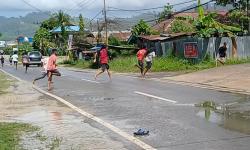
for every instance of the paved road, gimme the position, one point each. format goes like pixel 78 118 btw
pixel 163 108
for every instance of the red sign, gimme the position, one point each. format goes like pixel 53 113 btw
pixel 191 50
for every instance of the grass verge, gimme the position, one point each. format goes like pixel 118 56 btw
pixel 160 64
pixel 10 134
pixel 5 84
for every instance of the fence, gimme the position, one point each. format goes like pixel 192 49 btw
pixel 205 46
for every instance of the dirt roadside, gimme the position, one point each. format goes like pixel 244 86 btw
pixel 60 127
pixel 233 78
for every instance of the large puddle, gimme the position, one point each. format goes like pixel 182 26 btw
pixel 234 116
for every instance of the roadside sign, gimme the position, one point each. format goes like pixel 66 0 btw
pixel 191 50
pixel 70 42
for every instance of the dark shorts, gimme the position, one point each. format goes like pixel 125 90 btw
pixel 52 72
pixel 141 64
pixel 149 65
pixel 104 67
pixel 15 62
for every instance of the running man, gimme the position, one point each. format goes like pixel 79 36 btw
pixel 103 55
pixel 149 61
pixel 52 67
pixel 222 54
pixel 45 69
pixel 2 59
pixel 15 59
pixel 140 57
pixel 25 60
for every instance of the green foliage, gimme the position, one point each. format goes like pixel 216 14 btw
pixel 49 24
pixel 0 34
pixel 182 26
pixel 200 10
pixel 25 47
pixel 114 41
pixel 10 134
pixel 239 18
pixel 142 28
pixel 166 13
pixel 207 26
pixel 62 20
pixel 242 4
pixel 160 64
pixel 42 40
pixel 81 23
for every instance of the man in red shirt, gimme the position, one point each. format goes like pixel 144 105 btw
pixel 103 56
pixel 52 70
pixel 141 54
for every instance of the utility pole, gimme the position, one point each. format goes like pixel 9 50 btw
pixel 248 16
pixel 106 23
pixel 98 32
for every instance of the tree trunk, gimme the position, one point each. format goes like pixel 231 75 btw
pixel 234 47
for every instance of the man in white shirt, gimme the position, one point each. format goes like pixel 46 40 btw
pixel 149 60
pixel 15 59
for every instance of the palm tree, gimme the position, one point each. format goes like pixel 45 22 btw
pixel 62 20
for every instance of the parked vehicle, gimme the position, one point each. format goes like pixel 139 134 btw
pixel 35 58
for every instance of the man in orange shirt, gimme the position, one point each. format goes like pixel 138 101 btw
pixel 141 54
pixel 52 70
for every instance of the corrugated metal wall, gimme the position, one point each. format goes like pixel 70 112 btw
pixel 206 45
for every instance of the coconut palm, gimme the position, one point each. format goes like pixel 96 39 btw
pixel 62 20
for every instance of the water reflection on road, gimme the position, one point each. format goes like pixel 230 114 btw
pixel 232 117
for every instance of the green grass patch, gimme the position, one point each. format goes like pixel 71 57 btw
pixel 4 83
pixel 160 64
pixel 10 134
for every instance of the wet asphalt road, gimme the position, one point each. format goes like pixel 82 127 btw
pixel 172 126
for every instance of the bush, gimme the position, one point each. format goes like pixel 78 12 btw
pixel 160 64
pixel 114 41
pixel 68 62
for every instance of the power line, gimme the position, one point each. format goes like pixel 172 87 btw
pixel 36 8
pixel 78 5
pixel 96 15
pixel 184 10
pixel 160 7
pixel 32 6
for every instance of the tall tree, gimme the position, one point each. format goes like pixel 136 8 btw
pixel 50 23
pixel 62 20
pixel 142 28
pixel 41 37
pixel 81 23
pixel 166 13
pixel 240 4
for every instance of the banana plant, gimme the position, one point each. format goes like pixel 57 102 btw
pixel 207 26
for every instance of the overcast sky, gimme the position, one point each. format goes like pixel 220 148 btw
pixel 88 8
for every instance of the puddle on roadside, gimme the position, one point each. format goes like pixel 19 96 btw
pixel 235 117
pixel 72 131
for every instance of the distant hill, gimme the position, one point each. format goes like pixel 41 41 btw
pixel 27 25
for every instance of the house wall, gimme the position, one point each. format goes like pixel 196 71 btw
pixel 206 46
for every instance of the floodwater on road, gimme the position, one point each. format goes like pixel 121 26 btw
pixel 234 116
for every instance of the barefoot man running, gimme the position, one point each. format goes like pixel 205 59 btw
pixel 52 68
pixel 104 58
